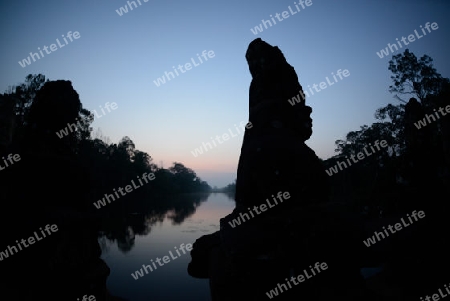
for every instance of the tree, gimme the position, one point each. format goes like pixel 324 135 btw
pixel 418 78
pixel 143 162
pixel 414 76
pixel 126 148
pixel 85 118
pixel 98 134
pixel 356 141
pixel 41 108
pixel 392 125
pixel 24 95
pixel 186 180
pixel 230 189
pixel 414 155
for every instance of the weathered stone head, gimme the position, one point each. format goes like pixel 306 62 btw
pixel 274 82
pixel 56 104
pixel 261 57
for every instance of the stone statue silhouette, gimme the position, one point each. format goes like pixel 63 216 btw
pixel 262 249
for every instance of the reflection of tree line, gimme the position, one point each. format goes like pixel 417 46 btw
pixel 123 229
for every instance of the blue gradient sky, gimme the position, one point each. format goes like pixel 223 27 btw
pixel 117 58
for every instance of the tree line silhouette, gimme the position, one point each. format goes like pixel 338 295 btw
pixel 416 162
pixel 82 168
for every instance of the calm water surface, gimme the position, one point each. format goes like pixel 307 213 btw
pixel 136 242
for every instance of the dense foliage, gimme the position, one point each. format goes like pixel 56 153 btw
pixel 34 111
pixel 417 157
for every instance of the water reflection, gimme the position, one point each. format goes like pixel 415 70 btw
pixel 123 229
pixel 130 241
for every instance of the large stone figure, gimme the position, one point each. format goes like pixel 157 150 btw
pixel 297 229
pixel 274 156
pixel 49 185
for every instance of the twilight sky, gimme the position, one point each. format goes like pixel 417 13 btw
pixel 118 57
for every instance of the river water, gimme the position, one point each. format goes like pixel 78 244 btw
pixel 157 231
pixel 130 243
